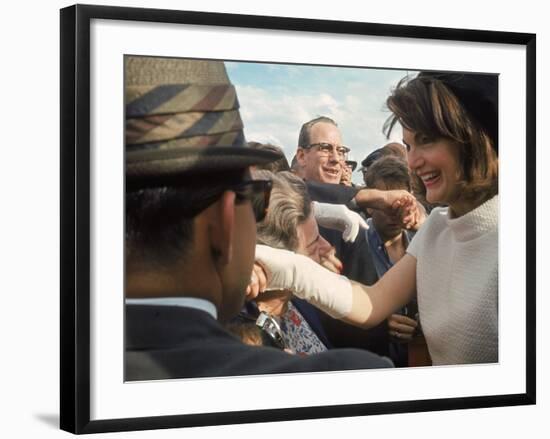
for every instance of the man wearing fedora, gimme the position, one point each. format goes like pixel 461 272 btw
pixel 190 228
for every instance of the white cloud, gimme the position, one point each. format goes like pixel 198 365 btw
pixel 231 66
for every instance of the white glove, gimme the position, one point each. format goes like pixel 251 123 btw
pixel 339 217
pixel 308 280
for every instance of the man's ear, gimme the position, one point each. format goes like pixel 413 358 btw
pixel 369 211
pixel 301 156
pixel 222 228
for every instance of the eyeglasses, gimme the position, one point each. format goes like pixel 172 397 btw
pixel 257 192
pixel 325 149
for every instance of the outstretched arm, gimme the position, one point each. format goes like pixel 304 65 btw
pixel 336 295
pixel 371 305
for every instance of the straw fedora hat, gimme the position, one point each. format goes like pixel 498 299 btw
pixel 182 121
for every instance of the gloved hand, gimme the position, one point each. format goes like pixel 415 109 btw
pixel 308 280
pixel 339 217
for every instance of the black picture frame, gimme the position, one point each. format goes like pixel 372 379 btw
pixel 76 211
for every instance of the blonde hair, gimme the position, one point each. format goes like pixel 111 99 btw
pixel 289 206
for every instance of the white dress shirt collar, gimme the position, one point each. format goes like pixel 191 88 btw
pixel 187 302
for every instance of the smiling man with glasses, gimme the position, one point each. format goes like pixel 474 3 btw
pixel 320 152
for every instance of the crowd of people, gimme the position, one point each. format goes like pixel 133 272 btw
pixel 240 263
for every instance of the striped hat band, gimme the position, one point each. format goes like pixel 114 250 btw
pixel 147 100
pixel 164 127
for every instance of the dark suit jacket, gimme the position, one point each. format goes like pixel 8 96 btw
pixel 164 342
pixel 330 193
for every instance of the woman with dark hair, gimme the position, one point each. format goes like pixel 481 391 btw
pixel 456 113
pixel 450 130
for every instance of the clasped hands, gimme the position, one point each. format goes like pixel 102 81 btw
pixel 405 208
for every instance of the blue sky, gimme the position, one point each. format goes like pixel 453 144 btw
pixel 276 99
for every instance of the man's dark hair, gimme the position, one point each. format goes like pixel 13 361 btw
pixel 304 139
pixel 392 149
pixel 371 158
pixel 159 221
pixel 391 171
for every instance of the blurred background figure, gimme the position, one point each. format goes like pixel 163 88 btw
pixel 347 173
pixel 278 165
pixel 393 149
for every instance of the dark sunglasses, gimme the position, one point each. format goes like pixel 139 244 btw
pixel 257 192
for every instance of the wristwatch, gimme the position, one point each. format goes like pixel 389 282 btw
pixel 271 327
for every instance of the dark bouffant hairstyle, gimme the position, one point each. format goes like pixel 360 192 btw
pixel 426 106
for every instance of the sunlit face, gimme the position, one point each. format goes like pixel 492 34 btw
pixel 236 274
pixel 316 166
pixel 436 162
pixel 310 242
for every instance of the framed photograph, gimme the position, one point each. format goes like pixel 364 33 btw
pixel 282 72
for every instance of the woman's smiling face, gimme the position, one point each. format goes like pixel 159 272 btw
pixel 437 163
